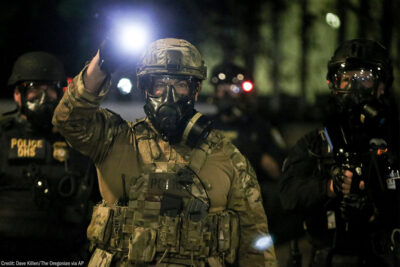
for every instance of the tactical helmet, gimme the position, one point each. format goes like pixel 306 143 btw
pixel 37 66
pixel 228 72
pixel 172 56
pixel 361 53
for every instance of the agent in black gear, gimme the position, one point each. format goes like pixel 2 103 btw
pixel 45 185
pixel 343 177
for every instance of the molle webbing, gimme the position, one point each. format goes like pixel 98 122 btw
pixel 168 218
pixel 215 236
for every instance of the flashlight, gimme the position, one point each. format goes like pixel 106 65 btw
pixel 131 36
pixel 123 43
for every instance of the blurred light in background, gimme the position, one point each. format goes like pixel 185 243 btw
pixel 124 86
pixel 332 20
pixel 235 88
pixel 247 86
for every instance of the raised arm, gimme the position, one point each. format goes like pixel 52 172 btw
pixel 78 117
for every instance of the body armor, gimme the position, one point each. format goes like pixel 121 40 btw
pixel 45 189
pixel 167 217
pixel 353 230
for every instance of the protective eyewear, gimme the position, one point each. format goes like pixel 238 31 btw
pixel 351 81
pixel 160 85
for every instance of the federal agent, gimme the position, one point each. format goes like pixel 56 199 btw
pixel 343 178
pixel 175 192
pixel 45 185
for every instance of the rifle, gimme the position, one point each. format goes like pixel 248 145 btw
pixel 380 174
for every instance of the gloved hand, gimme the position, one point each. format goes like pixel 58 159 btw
pixel 341 180
pixel 110 56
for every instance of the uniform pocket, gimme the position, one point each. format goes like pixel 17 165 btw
pixel 142 245
pixel 168 234
pixel 99 229
pixel 195 238
pixel 228 235
pixel 100 258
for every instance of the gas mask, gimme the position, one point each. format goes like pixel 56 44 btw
pixel 170 107
pixel 39 109
pixel 355 97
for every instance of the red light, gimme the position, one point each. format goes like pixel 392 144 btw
pixel 381 151
pixel 69 80
pixel 247 86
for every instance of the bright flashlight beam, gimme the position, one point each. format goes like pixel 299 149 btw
pixel 132 37
pixel 124 86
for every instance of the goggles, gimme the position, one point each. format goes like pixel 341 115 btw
pixel 160 84
pixel 39 86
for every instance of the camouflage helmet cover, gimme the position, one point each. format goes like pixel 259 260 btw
pixel 37 66
pixel 172 56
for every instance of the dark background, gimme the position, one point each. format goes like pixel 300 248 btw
pixel 284 44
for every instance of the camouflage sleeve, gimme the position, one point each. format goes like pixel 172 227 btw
pixel 88 128
pixel 245 199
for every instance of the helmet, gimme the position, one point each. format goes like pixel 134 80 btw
pixel 355 74
pixel 361 53
pixel 172 56
pixel 229 73
pixel 37 66
pixel 173 113
pixel 233 90
pixel 33 70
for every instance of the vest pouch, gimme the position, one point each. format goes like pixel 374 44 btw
pixel 99 229
pixel 100 258
pixel 195 238
pixel 142 245
pixel 168 234
pixel 228 235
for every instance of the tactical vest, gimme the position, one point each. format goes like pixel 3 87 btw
pixel 45 188
pixel 345 233
pixel 167 218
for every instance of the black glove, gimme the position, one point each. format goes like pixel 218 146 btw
pixel 110 56
pixel 337 174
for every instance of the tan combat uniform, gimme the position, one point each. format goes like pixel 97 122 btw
pixel 123 151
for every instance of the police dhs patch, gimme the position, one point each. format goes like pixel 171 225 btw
pixel 22 148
